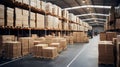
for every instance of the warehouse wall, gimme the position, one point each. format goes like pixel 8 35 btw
pixel 98 28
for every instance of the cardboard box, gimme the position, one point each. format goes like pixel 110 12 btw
pixel 25 18
pixel 57 45
pixel 33 3
pixel 10 16
pixel 19 17
pixel 43 5
pixel 49 7
pixel 103 36
pixel 38 50
pixel 40 21
pixel 55 10
pixel 106 52
pixel 59 12
pixel 2 15
pixel 111 35
pixel 12 49
pixel 32 20
pixel 25 2
pixel 49 22
pixel 50 52
pixel 117 23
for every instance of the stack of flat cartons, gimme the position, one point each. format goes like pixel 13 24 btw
pixel 55 23
pixel 65 26
pixel 65 14
pixel 2 15
pixel 50 52
pixel 25 18
pixel 40 40
pixel 57 45
pixel 12 49
pixel 102 36
pixel 43 5
pixel 111 35
pixel 48 39
pixel 38 50
pixel 30 44
pixel 32 20
pixel 49 7
pixel 118 23
pixel 55 10
pixel 118 50
pixel 40 21
pixel 34 36
pixel 24 46
pixel 106 52
pixel 19 17
pixel 10 16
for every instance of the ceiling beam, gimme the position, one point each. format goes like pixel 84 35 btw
pixel 88 6
pixel 93 19
pixel 97 14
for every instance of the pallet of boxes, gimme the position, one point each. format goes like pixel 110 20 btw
pixel 106 48
pixel 48 47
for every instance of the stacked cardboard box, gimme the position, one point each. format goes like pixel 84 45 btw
pixel 55 10
pixel 111 35
pixel 57 45
pixel 72 17
pixel 59 24
pixel 33 3
pixel 50 52
pixel 38 4
pixel 118 50
pixel 19 17
pixel 43 5
pixel 24 46
pixel 65 26
pixel 38 50
pixel 106 52
pixel 32 20
pixel 118 23
pixel 63 44
pixel 40 21
pixel 59 12
pixel 12 49
pixel 10 16
pixel 55 23
pixel 2 22
pixel 34 36
pixel 65 14
pixel 103 36
pixel 49 7
pixel 25 1
pixel 25 18
pixel 49 22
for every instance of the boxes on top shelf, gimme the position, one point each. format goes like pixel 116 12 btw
pixel 2 15
pixel 10 16
pixel 25 1
pixel 19 17
pixel 43 5
pixel 55 9
pixel 59 12
pixel 65 14
pixel 38 4
pixel 49 7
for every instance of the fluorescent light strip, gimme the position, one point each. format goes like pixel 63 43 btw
pixel 93 19
pixel 97 14
pixel 88 6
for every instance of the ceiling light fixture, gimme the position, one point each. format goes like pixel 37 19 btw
pixel 83 1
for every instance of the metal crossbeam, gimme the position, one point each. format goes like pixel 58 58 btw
pixel 93 19
pixel 88 6
pixel 97 14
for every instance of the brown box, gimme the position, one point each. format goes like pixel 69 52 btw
pixel 12 49
pixel 10 16
pixel 50 52
pixel 32 20
pixel 24 46
pixel 2 22
pixel 49 22
pixel 57 45
pixel 117 23
pixel 25 18
pixel 59 12
pixel 19 17
pixel 103 36
pixel 111 35
pixel 49 7
pixel 106 52
pixel 55 10
pixel 40 21
pixel 38 50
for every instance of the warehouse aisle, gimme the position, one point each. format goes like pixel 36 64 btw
pixel 89 57
pixel 86 55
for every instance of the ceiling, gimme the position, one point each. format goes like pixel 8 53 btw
pixel 80 11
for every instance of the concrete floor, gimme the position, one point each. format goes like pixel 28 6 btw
pixel 77 55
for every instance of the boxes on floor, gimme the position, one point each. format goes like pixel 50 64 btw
pixel 12 49
pixel 38 50
pixel 2 15
pixel 103 36
pixel 106 52
pixel 50 52
pixel 57 45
